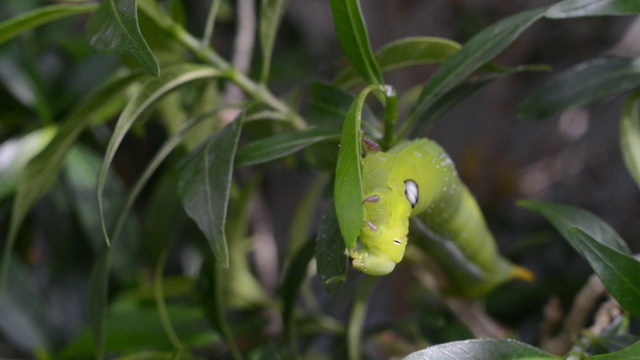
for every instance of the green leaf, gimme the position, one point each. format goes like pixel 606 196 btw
pixel 578 8
pixel 114 28
pixel 43 169
pixel 630 353
pixel 474 54
pixel 271 12
pixel 630 136
pixel 562 217
pixel 98 300
pixel 619 272
pixel 591 80
pixel 357 317
pixel 21 23
pixel 290 288
pixel 204 185
pixel 279 146
pixel 151 92
pixel 16 153
pixel 484 349
pixel 330 253
pixel 403 53
pixel 354 39
pixel 348 191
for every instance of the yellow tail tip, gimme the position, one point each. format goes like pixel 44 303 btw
pixel 518 272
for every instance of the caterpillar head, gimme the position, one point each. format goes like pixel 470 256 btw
pixel 383 237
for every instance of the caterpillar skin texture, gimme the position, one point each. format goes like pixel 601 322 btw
pixel 417 178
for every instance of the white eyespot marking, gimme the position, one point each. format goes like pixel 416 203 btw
pixel 411 192
pixel 397 242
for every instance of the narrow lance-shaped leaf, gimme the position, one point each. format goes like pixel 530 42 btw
pixel 152 91
pixel 114 28
pixel 24 22
pixel 349 191
pixel 354 39
pixel 278 146
pixel 591 80
pixel 204 186
pixel 619 272
pixel 630 136
pixel 43 169
pixel 475 53
pixel 578 8
pixel 484 349
pixel 562 217
pixel 405 53
pixel 271 12
pixel 330 255
pixel 629 353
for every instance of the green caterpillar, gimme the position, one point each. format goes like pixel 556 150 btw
pixel 417 178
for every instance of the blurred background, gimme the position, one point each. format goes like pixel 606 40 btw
pixel 573 159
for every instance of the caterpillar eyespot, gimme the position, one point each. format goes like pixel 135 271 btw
pixel 418 179
pixel 411 192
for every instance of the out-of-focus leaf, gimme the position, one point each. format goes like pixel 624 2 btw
pixel 16 153
pixel 578 8
pixel 132 327
pixel 475 53
pixel 17 80
pixel 42 15
pixel 98 301
pixel 630 136
pixel 562 217
pixel 348 190
pixel 290 287
pixel 114 29
pixel 22 318
pixel 485 349
pixel 80 173
pixel 630 353
pixel 151 92
pixel 357 317
pixel 204 185
pixel 619 272
pixel 354 39
pixel 330 253
pixel 403 53
pixel 591 80
pixel 43 169
pixel 278 146
pixel 271 12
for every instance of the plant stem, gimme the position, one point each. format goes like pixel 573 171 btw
pixel 358 315
pixel 162 306
pixel 211 19
pixel 208 55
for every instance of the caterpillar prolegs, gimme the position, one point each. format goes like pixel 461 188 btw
pixel 418 179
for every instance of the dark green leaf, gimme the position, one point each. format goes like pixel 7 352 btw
pixel 562 217
pixel 98 300
pixel 330 253
pixel 591 80
pixel 151 92
pixel 405 53
pixel 114 29
pixel 19 24
pixel 630 136
pixel 475 53
pixel 348 191
pixel 279 146
pixel 290 287
pixel 204 186
pixel 354 39
pixel 619 272
pixel 577 8
pixel 485 349
pixel 44 168
pixel 271 12
pixel 630 353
